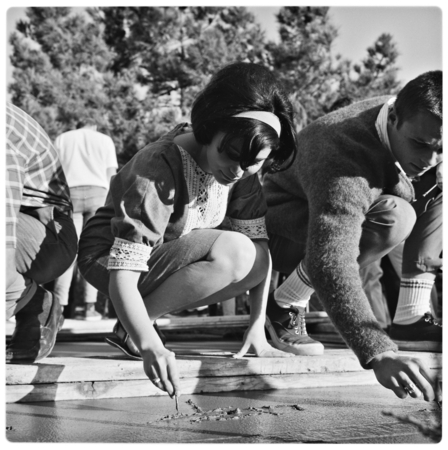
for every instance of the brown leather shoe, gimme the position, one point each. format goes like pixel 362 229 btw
pixel 32 340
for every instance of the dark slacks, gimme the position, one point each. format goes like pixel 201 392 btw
pixel 389 221
pixel 42 254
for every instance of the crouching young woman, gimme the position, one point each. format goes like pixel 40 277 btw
pixel 158 244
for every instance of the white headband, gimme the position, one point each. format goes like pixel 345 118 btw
pixel 263 116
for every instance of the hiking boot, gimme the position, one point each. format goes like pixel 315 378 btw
pixel 34 337
pixel 287 329
pixel 425 335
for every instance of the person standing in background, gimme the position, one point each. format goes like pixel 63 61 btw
pixel 89 161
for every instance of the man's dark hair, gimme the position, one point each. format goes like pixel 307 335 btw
pixel 237 88
pixel 423 93
pixel 85 122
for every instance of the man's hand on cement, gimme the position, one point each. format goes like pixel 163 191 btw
pixel 396 372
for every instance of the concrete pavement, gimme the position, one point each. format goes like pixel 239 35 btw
pixel 348 414
pixel 254 400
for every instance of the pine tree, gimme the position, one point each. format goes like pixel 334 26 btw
pixel 58 59
pixel 61 76
pixel 319 82
pixel 302 58
pixel 176 50
pixel 136 70
pixel 378 71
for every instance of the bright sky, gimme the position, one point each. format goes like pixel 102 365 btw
pixel 417 29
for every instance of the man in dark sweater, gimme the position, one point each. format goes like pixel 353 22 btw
pixel 366 178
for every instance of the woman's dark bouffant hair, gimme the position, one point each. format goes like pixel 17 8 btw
pixel 238 88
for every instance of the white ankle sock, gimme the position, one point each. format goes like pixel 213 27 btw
pixel 296 289
pixel 414 300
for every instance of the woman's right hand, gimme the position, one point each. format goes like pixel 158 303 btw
pixel 159 363
pixel 161 368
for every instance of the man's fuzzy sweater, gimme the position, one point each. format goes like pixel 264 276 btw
pixel 341 168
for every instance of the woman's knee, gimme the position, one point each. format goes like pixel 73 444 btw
pixel 235 254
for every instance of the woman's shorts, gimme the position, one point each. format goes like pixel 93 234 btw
pixel 164 261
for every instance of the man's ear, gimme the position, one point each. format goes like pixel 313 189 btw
pixel 392 116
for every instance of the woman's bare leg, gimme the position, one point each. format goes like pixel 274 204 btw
pixel 233 266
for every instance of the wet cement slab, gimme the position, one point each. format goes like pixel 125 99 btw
pixel 350 414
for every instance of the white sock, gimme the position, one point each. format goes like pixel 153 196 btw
pixel 296 289
pixel 414 300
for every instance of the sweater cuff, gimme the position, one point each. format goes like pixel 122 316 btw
pixel 376 342
pixel 253 228
pixel 128 255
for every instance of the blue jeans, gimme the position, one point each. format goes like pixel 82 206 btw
pixel 86 200
pixel 42 254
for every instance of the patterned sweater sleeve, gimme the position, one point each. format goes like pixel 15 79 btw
pixel 143 197
pixel 338 204
pixel 247 208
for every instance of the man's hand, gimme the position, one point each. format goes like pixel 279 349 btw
pixel 397 372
